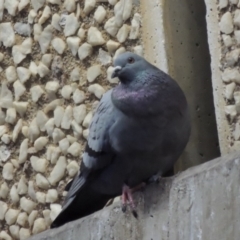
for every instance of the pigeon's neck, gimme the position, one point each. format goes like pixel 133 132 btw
pixel 141 98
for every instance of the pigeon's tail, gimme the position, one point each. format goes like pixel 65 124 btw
pixel 86 202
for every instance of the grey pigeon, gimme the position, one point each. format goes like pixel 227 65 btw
pixel 139 129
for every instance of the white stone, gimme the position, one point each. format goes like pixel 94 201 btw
pixel 79 113
pixel 55 21
pixel 75 149
pixel 17 129
pixel 19 89
pixel 46 214
pixel 27 205
pixel 45 38
pixel 8 171
pixel 72 168
pixel 78 96
pixel 5 236
pixel 118 52
pixel 21 107
pixel 47 59
pixel 78 11
pixel 22 4
pixel 231 75
pixel 3 130
pixel 42 70
pixel 58 171
pixel 85 133
pixel 37 31
pixel 138 50
pixel 2 120
pixel 11 216
pixel 6 97
pixel 6 138
pixel 45 15
pixel 109 75
pixel 7 36
pixel 70 5
pixel 226 23
pixel 64 145
pixel 95 37
pixel 103 57
pixel 75 74
pixel 3 209
pixel 123 33
pixel 231 111
pixel 51 196
pixel 113 2
pixel 14 231
pixel 77 129
pixel 11 74
pixel 122 11
pixel 41 197
pixel 41 119
pixel 232 57
pixel 4 190
pixel 31 16
pixel 73 44
pixel 37 4
pixel 58 2
pixel 23 74
pixel 223 3
pixel 57 135
pixel 59 45
pixel 31 191
pixel 32 216
pixel 11 115
pixel 230 90
pixel 93 72
pixel 67 118
pixel 42 182
pixel 1 9
pixel 33 131
pixel 58 115
pixel 89 6
pixel 39 164
pixel 51 88
pixel 52 105
pixel 81 33
pixel 71 139
pixel 111 26
pixel 33 69
pixel 100 14
pixel 97 90
pixel 36 92
pixel 39 226
pixel 66 91
pixel 19 52
pixel 53 154
pixel 24 233
pixel 55 210
pixel 15 163
pixel 25 131
pixel 40 143
pixel 22 219
pixel 135 26
pixel 22 186
pixel 14 195
pixel 87 119
pixel 23 151
pixel 84 51
pixel 23 29
pixel 71 25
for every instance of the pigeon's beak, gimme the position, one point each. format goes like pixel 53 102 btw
pixel 116 71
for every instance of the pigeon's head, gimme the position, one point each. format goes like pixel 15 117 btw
pixel 127 65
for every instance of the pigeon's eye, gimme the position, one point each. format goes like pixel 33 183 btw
pixel 131 60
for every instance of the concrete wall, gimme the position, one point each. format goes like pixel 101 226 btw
pixel 177 43
pixel 199 204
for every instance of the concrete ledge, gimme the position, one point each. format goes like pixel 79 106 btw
pixel 200 203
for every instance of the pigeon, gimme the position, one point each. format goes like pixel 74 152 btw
pixel 139 129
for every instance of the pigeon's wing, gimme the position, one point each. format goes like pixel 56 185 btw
pixel 98 152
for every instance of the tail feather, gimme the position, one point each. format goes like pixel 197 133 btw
pixel 86 202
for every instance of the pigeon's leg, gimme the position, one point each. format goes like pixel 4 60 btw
pixel 138 187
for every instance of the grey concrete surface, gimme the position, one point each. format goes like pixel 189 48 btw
pixel 175 39
pixel 201 203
